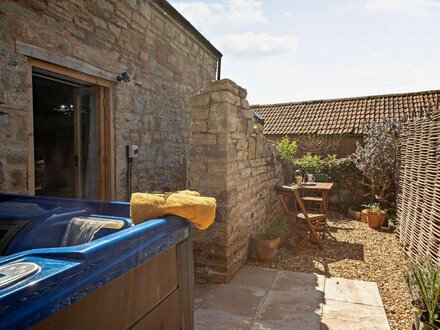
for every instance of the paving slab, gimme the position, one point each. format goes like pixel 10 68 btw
pixel 295 301
pixel 256 277
pixel 262 325
pixel 294 281
pixel 236 299
pixel 359 292
pixel 262 298
pixel 344 315
pixel 202 292
pixel 218 319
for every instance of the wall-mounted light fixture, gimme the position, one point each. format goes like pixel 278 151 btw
pixel 258 122
pixel 13 62
pixel 123 77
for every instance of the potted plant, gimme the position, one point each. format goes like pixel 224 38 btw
pixel 266 244
pixel 424 286
pixel 375 215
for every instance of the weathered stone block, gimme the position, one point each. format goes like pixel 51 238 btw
pixel 106 5
pixel 203 139
pixel 242 92
pixel 198 126
pixel 199 113
pixel 221 85
pixel 200 100
pixel 244 104
pixel 225 97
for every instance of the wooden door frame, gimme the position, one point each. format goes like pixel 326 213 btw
pixel 107 180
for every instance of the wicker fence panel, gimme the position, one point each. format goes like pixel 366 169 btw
pixel 418 209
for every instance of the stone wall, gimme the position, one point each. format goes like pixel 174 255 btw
pixel 238 167
pixel 167 64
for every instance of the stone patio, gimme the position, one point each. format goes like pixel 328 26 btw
pixel 263 298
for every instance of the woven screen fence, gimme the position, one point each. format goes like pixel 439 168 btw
pixel 418 208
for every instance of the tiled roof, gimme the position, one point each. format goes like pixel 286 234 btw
pixel 341 116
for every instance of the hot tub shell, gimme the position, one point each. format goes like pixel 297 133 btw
pixel 138 277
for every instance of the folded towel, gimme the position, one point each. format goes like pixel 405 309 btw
pixel 186 204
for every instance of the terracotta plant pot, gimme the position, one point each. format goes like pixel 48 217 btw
pixel 375 219
pixel 265 248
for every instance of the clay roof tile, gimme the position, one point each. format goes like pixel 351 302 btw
pixel 347 115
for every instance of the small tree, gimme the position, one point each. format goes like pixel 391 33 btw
pixel 287 150
pixel 378 160
pixel 320 144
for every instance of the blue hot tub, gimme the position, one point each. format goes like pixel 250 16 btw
pixel 123 276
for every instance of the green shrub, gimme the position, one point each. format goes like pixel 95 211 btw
pixel 342 171
pixel 378 159
pixel 287 150
pixel 344 174
pixel 311 164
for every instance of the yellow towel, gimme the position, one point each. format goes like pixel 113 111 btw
pixel 186 204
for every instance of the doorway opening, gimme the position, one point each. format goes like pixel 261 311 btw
pixel 70 145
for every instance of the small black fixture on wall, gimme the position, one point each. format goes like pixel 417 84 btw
pixel 123 77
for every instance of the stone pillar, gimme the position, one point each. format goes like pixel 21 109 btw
pixel 238 167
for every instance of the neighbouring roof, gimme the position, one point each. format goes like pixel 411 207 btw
pixel 343 116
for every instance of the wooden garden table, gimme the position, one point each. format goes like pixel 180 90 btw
pixel 323 187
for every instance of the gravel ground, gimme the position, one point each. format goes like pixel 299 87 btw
pixel 354 251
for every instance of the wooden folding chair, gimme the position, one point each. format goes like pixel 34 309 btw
pixel 312 221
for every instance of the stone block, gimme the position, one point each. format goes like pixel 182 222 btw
pixel 217 169
pixel 199 113
pixel 116 31
pixel 216 153
pixel 231 151
pixel 225 97
pixel 198 126
pixel 218 125
pixel 244 104
pixel 13 80
pixel 100 22
pixel 223 84
pixel 242 92
pixel 203 139
pixel 252 148
pixel 223 138
pixel 200 100
pixel 106 5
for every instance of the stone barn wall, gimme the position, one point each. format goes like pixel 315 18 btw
pixel 238 167
pixel 166 59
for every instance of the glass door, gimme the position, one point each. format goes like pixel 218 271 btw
pixel 87 149
pixel 72 137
